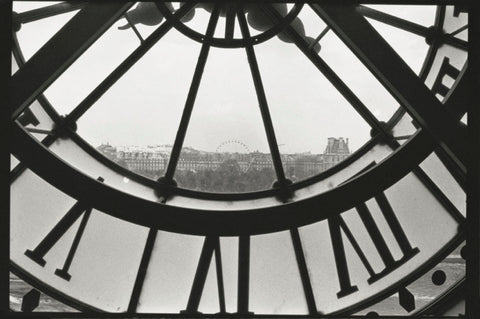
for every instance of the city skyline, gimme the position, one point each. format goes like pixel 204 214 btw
pixel 166 148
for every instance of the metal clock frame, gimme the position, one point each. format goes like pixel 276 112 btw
pixel 227 223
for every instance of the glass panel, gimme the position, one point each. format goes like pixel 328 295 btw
pixel 357 77
pixel 404 129
pixel 226 148
pixel 23 6
pixel 143 138
pixel 425 222
pixel 310 113
pixel 445 181
pixel 200 18
pixel 105 264
pixel 423 15
pixel 376 154
pixel 452 23
pixel 13 162
pixel 90 68
pixel 170 273
pixel 78 158
pixel 33 35
pixel 275 284
pixel 411 47
pixel 75 156
pixel 209 302
pixel 312 25
pixel 14 65
pixel 229 247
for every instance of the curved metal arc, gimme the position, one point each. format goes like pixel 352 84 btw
pixel 219 196
pixel 230 43
pixel 227 223
pixel 223 223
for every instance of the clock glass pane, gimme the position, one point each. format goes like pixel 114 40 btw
pixel 239 140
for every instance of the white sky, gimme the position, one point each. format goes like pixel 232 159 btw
pixel 144 107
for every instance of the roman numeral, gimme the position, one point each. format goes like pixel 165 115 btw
pixel 445 69
pixel 210 246
pixel 38 254
pixel 302 267
pixel 243 275
pixel 336 224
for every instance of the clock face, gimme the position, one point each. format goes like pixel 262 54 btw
pixel 245 203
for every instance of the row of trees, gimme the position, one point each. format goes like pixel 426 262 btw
pixel 227 178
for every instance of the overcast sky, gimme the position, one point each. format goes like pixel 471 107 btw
pixel 145 106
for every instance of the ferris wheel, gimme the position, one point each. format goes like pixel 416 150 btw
pixel 222 147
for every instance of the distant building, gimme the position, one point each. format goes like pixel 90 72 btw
pixel 336 151
pixel 155 158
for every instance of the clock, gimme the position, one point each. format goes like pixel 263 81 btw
pixel 380 233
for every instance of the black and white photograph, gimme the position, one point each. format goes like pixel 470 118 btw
pixel 240 159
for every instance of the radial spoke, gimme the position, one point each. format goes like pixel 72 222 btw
pixel 113 77
pixel 134 28
pixel 465 27
pixel 262 100
pixel 60 52
pixel 192 94
pixel 47 11
pixel 230 23
pixel 336 81
pixel 455 42
pixel 142 270
pixel 396 76
pixel 393 21
pixel 303 269
pixel 411 26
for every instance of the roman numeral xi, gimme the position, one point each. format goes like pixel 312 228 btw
pixel 38 254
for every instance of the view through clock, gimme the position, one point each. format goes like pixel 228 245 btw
pixel 238 158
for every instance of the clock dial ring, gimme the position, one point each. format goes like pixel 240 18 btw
pixel 234 196
pixel 217 222
pixel 382 292
pixel 146 220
